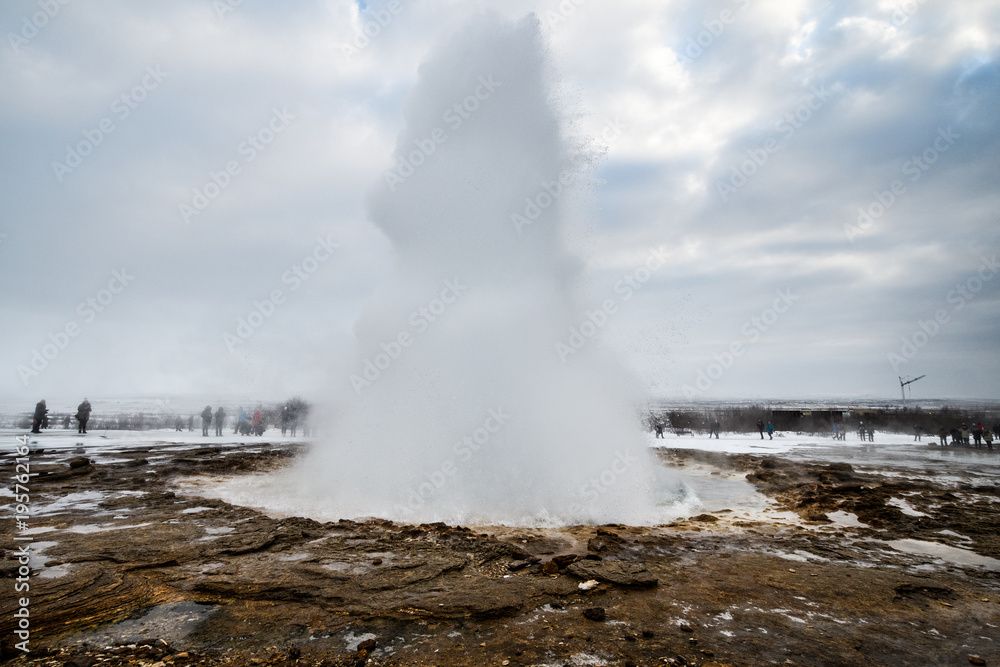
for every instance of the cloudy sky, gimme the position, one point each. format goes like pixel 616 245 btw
pixel 821 178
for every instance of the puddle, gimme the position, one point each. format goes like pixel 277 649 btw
pixel 170 622
pixel 944 552
pixel 87 529
pixel 846 519
pixel 82 500
pixel 904 507
pixel 36 554
pixel 294 557
pixel 55 571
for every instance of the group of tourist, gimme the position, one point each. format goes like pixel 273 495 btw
pixel 291 417
pixel 40 418
pixel 963 436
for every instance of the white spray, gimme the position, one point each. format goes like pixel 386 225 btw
pixel 459 408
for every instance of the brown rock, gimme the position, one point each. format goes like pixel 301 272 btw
pixel 976 660
pixel 594 614
pixel 630 575
pixel 367 645
pixel 705 518
pixel 79 462
pixel 564 560
pixel 550 568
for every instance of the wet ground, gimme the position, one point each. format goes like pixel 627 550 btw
pixel 848 555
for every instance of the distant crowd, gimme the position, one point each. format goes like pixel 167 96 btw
pixel 290 417
pixel 976 436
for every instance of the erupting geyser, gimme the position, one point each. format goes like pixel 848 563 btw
pixel 459 407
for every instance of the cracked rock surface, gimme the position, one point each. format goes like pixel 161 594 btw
pixel 129 572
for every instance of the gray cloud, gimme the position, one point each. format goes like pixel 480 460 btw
pixel 891 86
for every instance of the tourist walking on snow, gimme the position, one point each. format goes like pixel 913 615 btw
pixel 770 431
pixel 240 419
pixel 988 439
pixel 220 420
pixel 917 432
pixel 760 427
pixel 715 429
pixel 206 419
pixel 39 417
pixel 83 415
pixel 943 436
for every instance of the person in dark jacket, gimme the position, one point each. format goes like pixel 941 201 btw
pixel 286 418
pixel 39 417
pixel 760 427
pixel 715 429
pixel 220 420
pixel 206 419
pixel 83 415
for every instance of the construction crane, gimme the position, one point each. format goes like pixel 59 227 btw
pixel 904 382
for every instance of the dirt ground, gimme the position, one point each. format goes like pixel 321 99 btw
pixel 132 573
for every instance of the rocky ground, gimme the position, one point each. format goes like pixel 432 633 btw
pixel 130 572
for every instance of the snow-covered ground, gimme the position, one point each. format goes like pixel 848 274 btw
pixel 713 488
